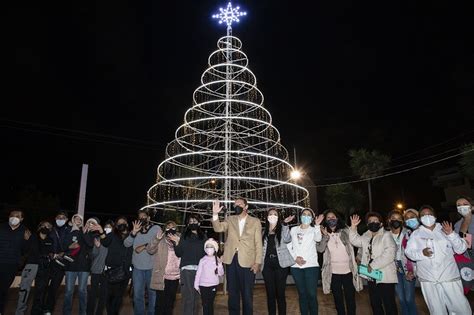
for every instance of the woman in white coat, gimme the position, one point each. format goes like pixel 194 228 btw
pixel 433 246
pixel 378 253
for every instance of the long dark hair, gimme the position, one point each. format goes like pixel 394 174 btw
pixel 341 224
pixel 277 226
pixel 188 232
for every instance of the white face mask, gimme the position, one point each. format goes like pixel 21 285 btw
pixel 13 221
pixel 108 230
pixel 464 210
pixel 272 219
pixel 60 223
pixel 428 220
pixel 210 251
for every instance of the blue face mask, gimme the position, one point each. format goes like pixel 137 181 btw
pixel 412 223
pixel 306 219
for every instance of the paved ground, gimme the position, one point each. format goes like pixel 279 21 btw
pixel 326 303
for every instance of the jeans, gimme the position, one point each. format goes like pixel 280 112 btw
pixel 240 282
pixel 382 298
pixel 97 294
pixel 275 285
pixel 27 276
pixel 141 282
pixel 71 277
pixel 306 280
pixel 189 295
pixel 406 294
pixel 343 289
pixel 165 298
pixel 208 294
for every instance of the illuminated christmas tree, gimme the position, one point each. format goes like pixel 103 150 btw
pixel 227 146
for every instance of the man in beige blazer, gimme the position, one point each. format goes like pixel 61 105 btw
pixel 242 253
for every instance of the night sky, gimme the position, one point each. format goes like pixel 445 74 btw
pixel 397 76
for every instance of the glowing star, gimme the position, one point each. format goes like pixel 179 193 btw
pixel 229 15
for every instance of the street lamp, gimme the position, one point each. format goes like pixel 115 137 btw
pixel 399 206
pixel 296 174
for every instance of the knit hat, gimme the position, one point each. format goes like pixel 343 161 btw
pixel 212 242
pixel 415 212
pixel 94 220
pixel 74 226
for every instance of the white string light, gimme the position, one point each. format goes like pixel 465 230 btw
pixel 227 146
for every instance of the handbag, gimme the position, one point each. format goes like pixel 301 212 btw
pixel 374 274
pixel 116 274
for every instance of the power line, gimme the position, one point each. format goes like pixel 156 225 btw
pixel 393 173
pixel 80 137
pixel 398 165
pixel 434 145
pixel 81 132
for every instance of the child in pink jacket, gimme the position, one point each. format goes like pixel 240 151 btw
pixel 207 276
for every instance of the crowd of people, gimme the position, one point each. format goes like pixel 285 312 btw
pixel 390 257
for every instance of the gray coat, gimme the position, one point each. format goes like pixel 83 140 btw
pixel 284 257
pixel 326 272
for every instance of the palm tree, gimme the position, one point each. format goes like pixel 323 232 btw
pixel 367 164
pixel 344 198
pixel 467 160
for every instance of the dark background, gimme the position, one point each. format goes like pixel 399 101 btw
pixel 336 75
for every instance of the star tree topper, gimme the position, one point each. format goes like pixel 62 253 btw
pixel 229 15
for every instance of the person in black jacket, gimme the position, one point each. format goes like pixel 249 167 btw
pixel 39 242
pixel 190 248
pixel 56 270
pixel 78 246
pixel 118 256
pixel 14 241
pixel 41 253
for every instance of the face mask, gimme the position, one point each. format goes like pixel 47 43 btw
pixel 108 230
pixel 428 220
pixel 238 210
pixel 396 224
pixel 171 231
pixel 193 226
pixel 143 221
pixel 60 223
pixel 464 210
pixel 122 227
pixel 13 221
pixel 331 223
pixel 306 219
pixel 272 219
pixel 44 230
pixel 373 226
pixel 412 223
pixel 210 251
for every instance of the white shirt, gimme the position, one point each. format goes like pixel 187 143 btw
pixel 242 225
pixel 398 240
pixel 303 244
pixel 441 266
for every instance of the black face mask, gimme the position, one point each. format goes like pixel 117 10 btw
pixel 44 230
pixel 171 232
pixel 144 221
pixel 122 227
pixel 193 226
pixel 373 226
pixel 396 224
pixel 238 210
